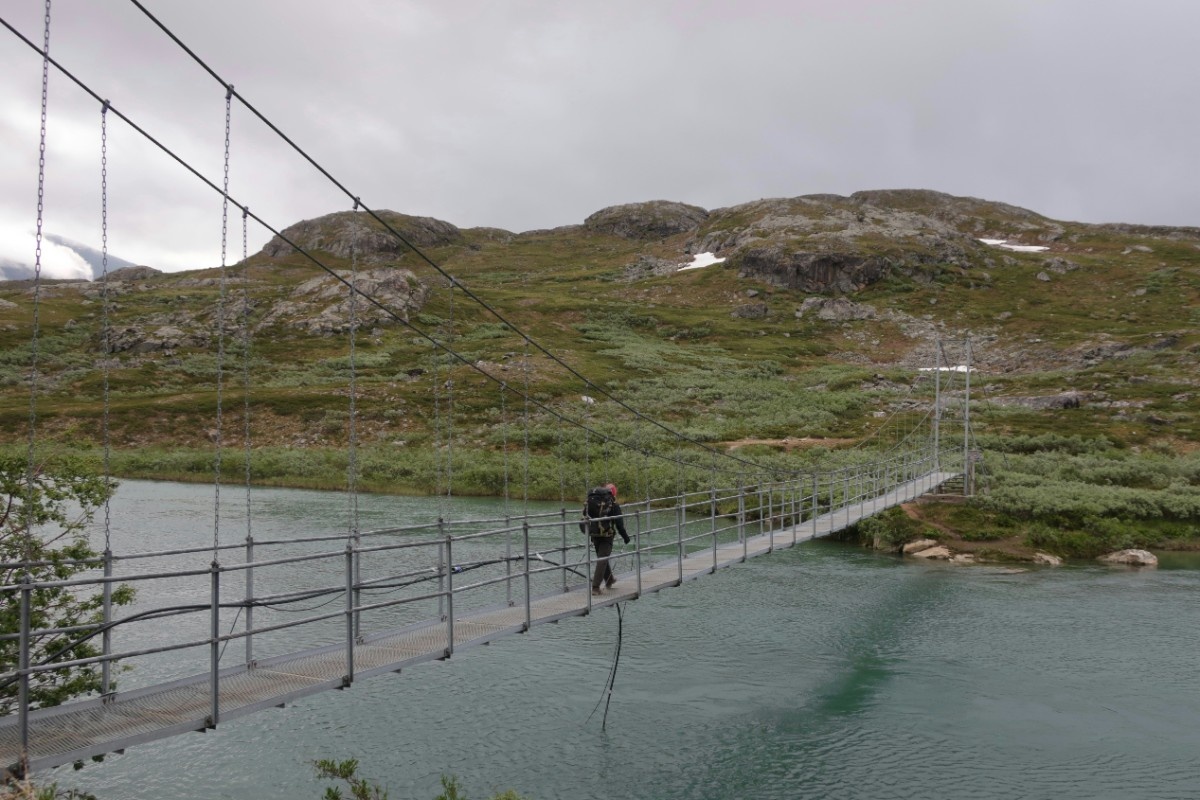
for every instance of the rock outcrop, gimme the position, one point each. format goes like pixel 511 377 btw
pixel 140 273
pixel 338 233
pixel 321 305
pixel 656 219
pixel 1133 558
pixel 826 244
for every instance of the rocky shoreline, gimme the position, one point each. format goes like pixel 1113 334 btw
pixel 934 550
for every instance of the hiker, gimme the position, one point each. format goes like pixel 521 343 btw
pixel 602 521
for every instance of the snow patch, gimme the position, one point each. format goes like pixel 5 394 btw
pixel 702 260
pixel 959 368
pixel 1017 248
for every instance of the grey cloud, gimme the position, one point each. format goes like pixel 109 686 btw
pixel 532 114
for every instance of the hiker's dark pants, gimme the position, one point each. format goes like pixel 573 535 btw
pixel 603 546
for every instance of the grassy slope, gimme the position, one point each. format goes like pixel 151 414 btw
pixel 667 344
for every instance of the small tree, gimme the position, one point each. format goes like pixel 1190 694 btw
pixel 360 788
pixel 44 513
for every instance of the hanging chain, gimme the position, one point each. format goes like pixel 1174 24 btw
pixel 562 466
pixel 37 282
pixel 245 334
pixel 106 329
pixel 437 424
pixel 221 328
pixel 604 454
pixel 525 370
pixel 450 401
pixel 504 429
pixel 352 465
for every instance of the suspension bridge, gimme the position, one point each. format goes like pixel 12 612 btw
pixel 235 628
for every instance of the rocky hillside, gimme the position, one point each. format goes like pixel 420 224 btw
pixel 1083 328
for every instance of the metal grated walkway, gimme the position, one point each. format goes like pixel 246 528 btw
pixel 79 730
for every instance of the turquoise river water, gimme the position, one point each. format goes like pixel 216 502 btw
pixel 822 671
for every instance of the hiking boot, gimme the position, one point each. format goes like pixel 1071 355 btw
pixel 611 582
pixel 596 591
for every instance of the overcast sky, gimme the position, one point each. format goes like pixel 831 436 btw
pixel 531 114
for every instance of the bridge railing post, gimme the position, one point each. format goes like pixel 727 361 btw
pixel 761 521
pixel 563 551
pixel 348 678
pixel 816 501
pixel 249 600
pixel 441 526
pixel 23 661
pixel 770 517
pixel 742 521
pixel 214 645
pixel 846 497
pixel 637 544
pixel 680 512
pixel 508 532
pixel 712 511
pixel 528 608
pixel 797 507
pixel 587 551
pixel 449 595
pixel 356 541
pixel 106 639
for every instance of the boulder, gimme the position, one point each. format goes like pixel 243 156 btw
pixel 1047 559
pixel 918 546
pixel 1135 558
pixel 940 553
pixel 751 311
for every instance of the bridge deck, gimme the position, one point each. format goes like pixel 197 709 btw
pixel 79 730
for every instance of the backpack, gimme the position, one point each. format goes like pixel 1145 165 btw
pixel 600 503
